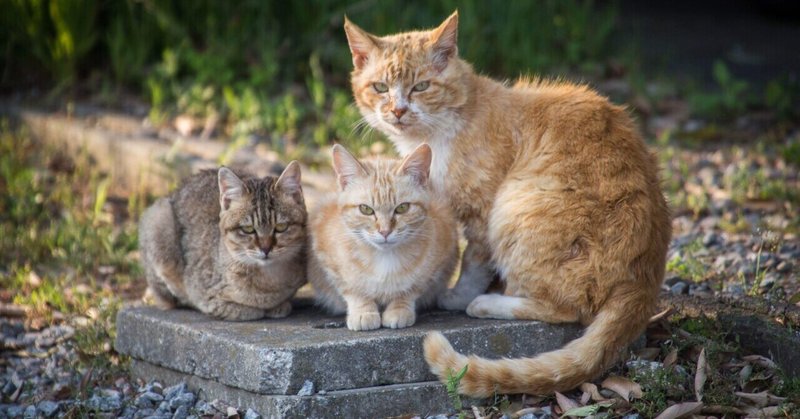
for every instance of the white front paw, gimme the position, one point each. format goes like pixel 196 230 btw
pixel 363 321
pixel 399 318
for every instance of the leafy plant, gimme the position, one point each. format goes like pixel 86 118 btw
pixel 731 96
pixel 453 381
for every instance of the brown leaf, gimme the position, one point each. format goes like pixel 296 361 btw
pixel 700 375
pixel 565 403
pixel 592 389
pixel 624 387
pixel 760 360
pixel 660 315
pixel 671 358
pixel 680 410
pixel 585 397
pixel 761 399
pixel 649 354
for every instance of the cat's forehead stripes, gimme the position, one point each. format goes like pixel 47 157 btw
pixel 263 204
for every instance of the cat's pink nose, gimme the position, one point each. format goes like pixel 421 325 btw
pixel 385 233
pixel 399 112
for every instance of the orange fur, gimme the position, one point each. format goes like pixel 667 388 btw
pixel 389 260
pixel 557 193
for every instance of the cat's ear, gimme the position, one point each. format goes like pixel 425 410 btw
pixel 361 43
pixel 444 42
pixel 346 166
pixel 289 181
pixel 418 164
pixel 231 188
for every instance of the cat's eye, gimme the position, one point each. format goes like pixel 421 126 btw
pixel 402 208
pixel 421 86
pixel 366 210
pixel 248 229
pixel 380 87
pixel 281 227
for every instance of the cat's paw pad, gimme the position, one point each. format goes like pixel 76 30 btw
pixel 364 321
pixel 280 311
pixel 398 319
pixel 453 301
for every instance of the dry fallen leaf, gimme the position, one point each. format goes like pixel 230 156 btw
pixel 680 410
pixel 700 375
pixel 565 403
pixel 744 374
pixel 649 354
pixel 671 358
pixel 660 315
pixel 592 389
pixel 760 360
pixel 623 386
pixel 761 399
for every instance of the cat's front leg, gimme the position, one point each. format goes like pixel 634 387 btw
pixel 232 311
pixel 279 312
pixel 362 313
pixel 400 313
pixel 476 275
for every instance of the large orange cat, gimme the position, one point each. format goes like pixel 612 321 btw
pixel 556 190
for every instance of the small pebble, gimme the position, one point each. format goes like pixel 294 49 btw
pixel 679 288
pixel 251 414
pixel 307 389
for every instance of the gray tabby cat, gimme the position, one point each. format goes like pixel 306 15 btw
pixel 230 245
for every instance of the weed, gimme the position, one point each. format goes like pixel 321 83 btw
pixel 730 97
pixel 453 380
pixel 688 264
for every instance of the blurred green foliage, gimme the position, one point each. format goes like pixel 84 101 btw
pixel 274 68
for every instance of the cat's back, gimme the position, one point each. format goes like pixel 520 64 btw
pixel 196 201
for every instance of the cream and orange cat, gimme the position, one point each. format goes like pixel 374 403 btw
pixel 556 190
pixel 384 242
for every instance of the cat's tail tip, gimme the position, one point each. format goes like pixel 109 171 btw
pixel 440 355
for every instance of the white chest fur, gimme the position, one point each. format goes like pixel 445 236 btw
pixel 441 145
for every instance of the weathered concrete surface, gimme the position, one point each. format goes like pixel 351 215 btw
pixel 375 402
pixel 277 356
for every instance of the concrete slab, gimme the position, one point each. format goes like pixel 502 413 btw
pixel 424 399
pixel 276 356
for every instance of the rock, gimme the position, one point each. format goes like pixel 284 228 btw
pixel 182 412
pixel 437 417
pixel 679 288
pixel 709 239
pixel 172 391
pixel 632 416
pixel 144 413
pixel 183 399
pixel 251 414
pixel 307 389
pixel 641 365
pixel 672 280
pixel 30 412
pixel 148 399
pixel 48 408
pixel 232 412
pixel 104 404
pixel 15 411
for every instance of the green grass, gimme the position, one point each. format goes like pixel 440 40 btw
pixel 63 254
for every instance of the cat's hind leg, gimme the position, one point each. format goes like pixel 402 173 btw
pixel 497 306
pixel 281 311
pixel 476 275
pixel 161 256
